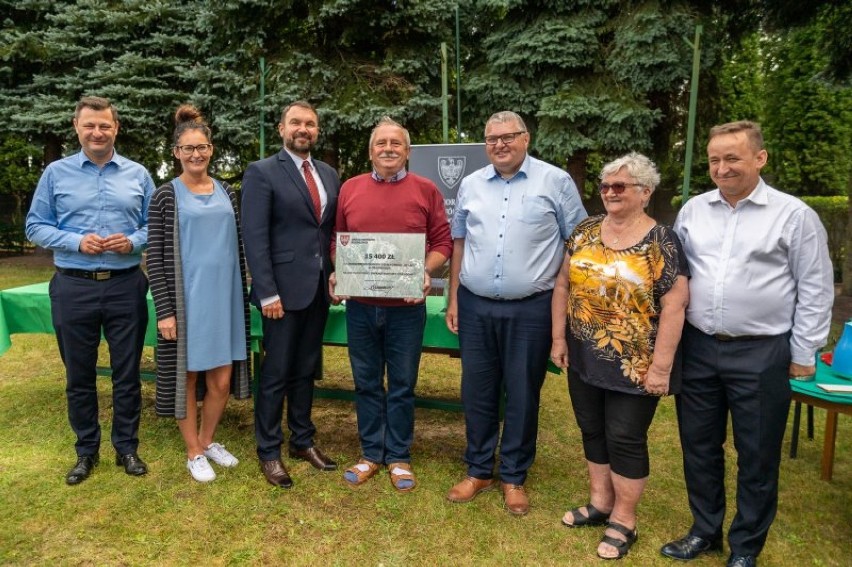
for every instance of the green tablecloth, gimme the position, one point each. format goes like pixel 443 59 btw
pixel 27 310
pixel 24 310
pixel 824 375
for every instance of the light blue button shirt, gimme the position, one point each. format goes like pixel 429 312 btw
pixel 75 197
pixel 514 230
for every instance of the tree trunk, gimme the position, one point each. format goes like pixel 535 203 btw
pixel 331 153
pixel 52 148
pixel 576 167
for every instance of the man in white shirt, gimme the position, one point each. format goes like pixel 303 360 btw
pixel 760 306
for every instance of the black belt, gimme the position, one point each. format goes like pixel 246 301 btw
pixel 99 276
pixel 525 298
pixel 731 338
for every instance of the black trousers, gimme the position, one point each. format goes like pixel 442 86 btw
pixel 614 426
pixel 293 347
pixel 81 310
pixel 750 380
pixel 503 344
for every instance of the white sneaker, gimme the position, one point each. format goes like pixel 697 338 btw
pixel 200 469
pixel 221 456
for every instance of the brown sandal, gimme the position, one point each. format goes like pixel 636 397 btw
pixel 361 472
pixel 402 477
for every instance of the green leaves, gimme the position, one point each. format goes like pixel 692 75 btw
pixel 592 78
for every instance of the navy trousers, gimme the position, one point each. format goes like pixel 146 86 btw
pixel 81 310
pixel 293 350
pixel 504 345
pixel 750 380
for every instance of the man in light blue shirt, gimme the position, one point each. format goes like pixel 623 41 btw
pixel 511 222
pixel 91 210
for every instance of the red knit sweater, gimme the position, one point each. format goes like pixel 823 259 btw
pixel 412 205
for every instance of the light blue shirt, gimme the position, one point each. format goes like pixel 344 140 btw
pixel 514 230
pixel 75 197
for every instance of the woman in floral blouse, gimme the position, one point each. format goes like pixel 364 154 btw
pixel 623 287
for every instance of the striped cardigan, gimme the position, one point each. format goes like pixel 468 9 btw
pixel 166 281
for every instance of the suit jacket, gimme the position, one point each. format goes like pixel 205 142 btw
pixel 287 249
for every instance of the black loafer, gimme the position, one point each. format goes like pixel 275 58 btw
pixel 82 469
pixel 690 547
pixel 132 464
pixel 742 561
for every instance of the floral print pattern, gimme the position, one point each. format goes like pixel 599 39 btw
pixel 614 299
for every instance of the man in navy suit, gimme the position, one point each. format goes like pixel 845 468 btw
pixel 288 208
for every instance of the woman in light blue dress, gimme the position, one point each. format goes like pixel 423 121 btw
pixel 197 271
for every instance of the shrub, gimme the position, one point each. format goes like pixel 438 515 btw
pixel 12 237
pixel 834 214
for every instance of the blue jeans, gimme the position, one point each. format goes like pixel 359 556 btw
pixel 385 338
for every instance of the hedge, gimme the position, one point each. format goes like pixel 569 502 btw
pixel 834 213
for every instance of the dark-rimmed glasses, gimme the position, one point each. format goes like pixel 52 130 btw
pixel 505 138
pixel 618 187
pixel 188 150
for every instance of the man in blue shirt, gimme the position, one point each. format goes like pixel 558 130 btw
pixel 511 222
pixel 91 210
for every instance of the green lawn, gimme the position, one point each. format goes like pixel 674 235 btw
pixel 165 518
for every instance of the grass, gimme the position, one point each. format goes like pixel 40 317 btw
pixel 165 518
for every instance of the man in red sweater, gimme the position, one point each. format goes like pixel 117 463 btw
pixel 387 334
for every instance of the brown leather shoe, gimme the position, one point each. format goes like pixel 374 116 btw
pixel 466 490
pixel 515 498
pixel 315 457
pixel 276 474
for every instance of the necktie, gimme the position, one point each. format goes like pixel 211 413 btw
pixel 312 189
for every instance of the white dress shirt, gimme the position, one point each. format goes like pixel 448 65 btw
pixel 322 193
pixel 759 268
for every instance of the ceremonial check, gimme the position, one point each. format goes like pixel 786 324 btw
pixel 380 264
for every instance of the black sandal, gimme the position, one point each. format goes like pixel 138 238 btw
pixel 594 518
pixel 620 545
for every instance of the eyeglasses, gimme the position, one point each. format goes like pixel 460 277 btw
pixel 505 138
pixel 203 149
pixel 618 187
